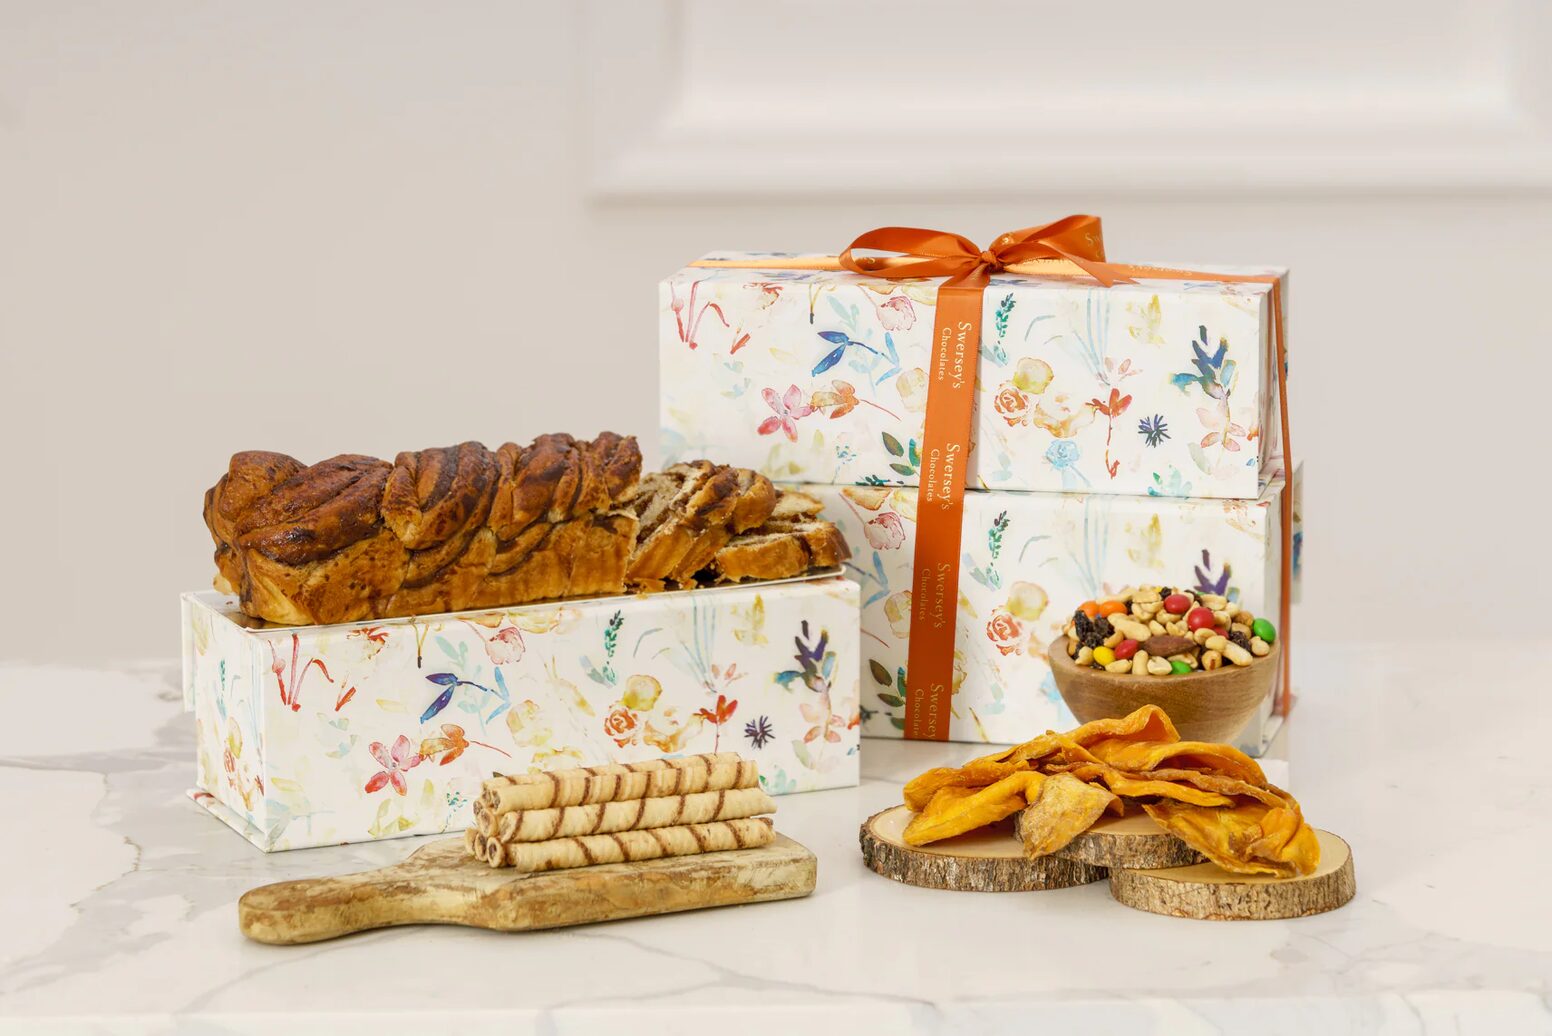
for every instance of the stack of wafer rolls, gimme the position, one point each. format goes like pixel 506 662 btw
pixel 620 813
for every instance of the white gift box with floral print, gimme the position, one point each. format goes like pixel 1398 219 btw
pixel 320 735
pixel 820 376
pixel 1029 559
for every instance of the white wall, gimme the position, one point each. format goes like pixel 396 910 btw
pixel 381 225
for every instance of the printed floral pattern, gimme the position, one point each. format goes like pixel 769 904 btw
pixel 347 733
pixel 1029 559
pixel 1066 372
pixel 395 762
pixel 789 409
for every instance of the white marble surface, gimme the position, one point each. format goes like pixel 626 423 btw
pixel 118 898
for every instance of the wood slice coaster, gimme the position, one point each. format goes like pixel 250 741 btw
pixel 1132 841
pixel 987 860
pixel 1207 891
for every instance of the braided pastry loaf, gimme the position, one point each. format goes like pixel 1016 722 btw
pixel 441 530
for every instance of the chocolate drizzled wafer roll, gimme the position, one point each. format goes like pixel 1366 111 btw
pixel 620 782
pixel 631 846
pixel 599 818
pixel 647 765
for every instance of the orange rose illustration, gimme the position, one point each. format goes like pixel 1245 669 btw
pixel 620 724
pixel 1012 404
pixel 1005 632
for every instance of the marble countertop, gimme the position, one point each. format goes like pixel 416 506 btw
pixel 119 897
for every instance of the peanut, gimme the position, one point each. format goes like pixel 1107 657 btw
pixel 1156 628
pixel 1120 665
pixel 1203 635
pixel 1140 664
pixel 1129 629
pixel 1216 643
pixel 1085 656
pixel 1259 647
pixel 1221 616
pixel 1236 654
pixel 1239 627
pixel 1114 638
pixel 1159 667
pixel 1213 602
pixel 1189 660
pixel 1176 629
pixel 1211 660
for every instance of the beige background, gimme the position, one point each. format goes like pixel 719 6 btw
pixel 375 226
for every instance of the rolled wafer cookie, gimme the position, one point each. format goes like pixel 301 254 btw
pixel 645 766
pixel 631 846
pixel 599 818
pixel 576 787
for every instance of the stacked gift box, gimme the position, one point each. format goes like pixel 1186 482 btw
pixel 1121 435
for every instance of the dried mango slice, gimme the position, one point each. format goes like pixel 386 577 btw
pixel 1232 786
pixel 1248 838
pixel 955 810
pixel 1064 809
pixel 1149 724
pixel 1141 786
pixel 1184 755
pixel 978 773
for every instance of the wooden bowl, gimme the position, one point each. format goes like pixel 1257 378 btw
pixel 1205 706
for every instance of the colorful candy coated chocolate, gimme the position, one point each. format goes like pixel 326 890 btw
pixel 1126 649
pixel 1103 655
pixel 1178 668
pixel 1265 630
pixel 1199 618
pixel 1177 604
pixel 1109 608
pixel 1089 608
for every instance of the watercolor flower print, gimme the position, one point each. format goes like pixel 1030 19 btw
pixel 787 410
pixel 1214 375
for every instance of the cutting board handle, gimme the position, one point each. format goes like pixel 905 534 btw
pixel 313 909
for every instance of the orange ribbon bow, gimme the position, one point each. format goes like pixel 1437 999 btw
pixel 1071 246
pixel 937 253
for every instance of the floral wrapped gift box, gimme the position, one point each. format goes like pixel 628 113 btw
pixel 821 376
pixel 1028 560
pixel 326 734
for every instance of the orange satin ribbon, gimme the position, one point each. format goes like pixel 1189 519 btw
pixel 1068 247
pixel 940 502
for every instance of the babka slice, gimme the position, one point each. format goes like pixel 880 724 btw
pixel 689 512
pixel 794 540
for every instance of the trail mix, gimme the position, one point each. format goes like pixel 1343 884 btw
pixel 1161 631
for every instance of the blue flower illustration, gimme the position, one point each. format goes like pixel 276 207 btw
pixel 1153 429
pixel 759 731
pixel 1214 371
pixel 1062 453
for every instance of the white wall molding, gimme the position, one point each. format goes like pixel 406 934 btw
pixel 809 99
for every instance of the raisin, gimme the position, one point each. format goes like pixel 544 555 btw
pixel 1238 637
pixel 1097 632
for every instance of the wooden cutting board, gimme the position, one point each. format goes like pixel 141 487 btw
pixel 439 884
